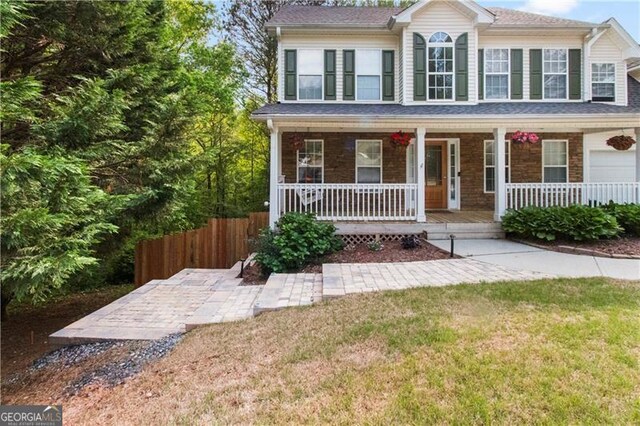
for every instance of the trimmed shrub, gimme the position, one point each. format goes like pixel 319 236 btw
pixel 298 240
pixel 627 215
pixel 578 223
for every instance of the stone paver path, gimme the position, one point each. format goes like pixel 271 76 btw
pixel 195 297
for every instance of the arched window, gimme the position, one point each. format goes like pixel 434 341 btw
pixel 440 69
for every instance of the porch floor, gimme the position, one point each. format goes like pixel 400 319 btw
pixel 460 216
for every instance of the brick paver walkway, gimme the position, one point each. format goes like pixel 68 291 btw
pixel 195 297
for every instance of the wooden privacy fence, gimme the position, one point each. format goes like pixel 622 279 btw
pixel 218 245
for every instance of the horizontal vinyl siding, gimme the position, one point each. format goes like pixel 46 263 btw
pixel 340 43
pixel 526 43
pixel 440 17
pixel 606 50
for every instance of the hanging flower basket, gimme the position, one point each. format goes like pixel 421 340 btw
pixel 297 141
pixel 400 139
pixel 621 142
pixel 525 138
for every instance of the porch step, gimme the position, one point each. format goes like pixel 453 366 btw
pixel 443 231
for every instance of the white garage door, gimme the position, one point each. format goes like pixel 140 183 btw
pixel 612 166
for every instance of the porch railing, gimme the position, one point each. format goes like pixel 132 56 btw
pixel 339 201
pixel 521 195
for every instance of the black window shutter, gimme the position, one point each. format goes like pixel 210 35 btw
pixel 290 84
pixel 516 73
pixel 419 68
pixel 535 74
pixel 330 75
pixel 480 73
pixel 575 74
pixel 388 75
pixel 349 75
pixel 462 67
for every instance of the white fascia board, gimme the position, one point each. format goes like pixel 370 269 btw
pixel 633 50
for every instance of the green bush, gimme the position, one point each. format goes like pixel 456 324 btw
pixel 298 240
pixel 578 223
pixel 627 215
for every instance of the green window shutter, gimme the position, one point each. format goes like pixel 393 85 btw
pixel 419 68
pixel 535 74
pixel 462 67
pixel 349 75
pixel 516 73
pixel 575 74
pixel 480 73
pixel 330 75
pixel 290 84
pixel 388 77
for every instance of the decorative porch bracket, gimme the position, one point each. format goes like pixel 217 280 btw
pixel 499 151
pixel 420 171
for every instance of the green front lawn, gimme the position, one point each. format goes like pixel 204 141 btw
pixel 561 351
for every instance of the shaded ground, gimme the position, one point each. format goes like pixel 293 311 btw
pixel 24 335
pixel 391 251
pixel 629 246
pixel 549 351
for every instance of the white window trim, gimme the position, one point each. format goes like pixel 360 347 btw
pixel 615 85
pixel 487 74
pixel 364 75
pixel 485 166
pixel 298 159
pixel 298 56
pixel 566 142
pixel 566 75
pixel 381 161
pixel 451 44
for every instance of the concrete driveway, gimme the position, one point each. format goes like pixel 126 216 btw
pixel 521 256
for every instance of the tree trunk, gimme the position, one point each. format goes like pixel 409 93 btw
pixel 6 299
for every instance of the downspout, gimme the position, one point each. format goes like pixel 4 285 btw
pixel 589 40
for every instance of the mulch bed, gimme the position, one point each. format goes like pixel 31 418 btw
pixel 619 247
pixel 392 251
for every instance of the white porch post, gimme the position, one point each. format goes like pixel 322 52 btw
pixel 420 165
pixel 499 161
pixel 274 165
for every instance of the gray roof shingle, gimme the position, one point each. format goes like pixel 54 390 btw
pixel 333 15
pixel 300 15
pixel 509 17
pixel 489 108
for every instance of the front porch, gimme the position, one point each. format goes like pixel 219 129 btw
pixel 354 177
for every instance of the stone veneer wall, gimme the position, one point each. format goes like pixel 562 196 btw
pixel 339 161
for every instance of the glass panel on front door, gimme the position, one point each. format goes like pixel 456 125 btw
pixel 434 165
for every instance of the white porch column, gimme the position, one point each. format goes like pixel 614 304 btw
pixel 499 161
pixel 274 166
pixel 420 178
pixel 637 154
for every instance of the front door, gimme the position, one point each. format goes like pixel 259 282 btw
pixel 436 175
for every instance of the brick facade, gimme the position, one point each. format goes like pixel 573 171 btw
pixel 526 162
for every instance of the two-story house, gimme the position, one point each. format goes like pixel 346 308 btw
pixel 456 77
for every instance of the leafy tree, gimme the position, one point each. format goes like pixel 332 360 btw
pixel 52 218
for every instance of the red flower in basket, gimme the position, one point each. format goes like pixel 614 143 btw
pixel 525 137
pixel 401 139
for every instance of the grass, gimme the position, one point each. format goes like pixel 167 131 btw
pixel 551 351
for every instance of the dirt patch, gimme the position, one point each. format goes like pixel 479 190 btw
pixel 619 247
pixel 391 251
pixel 25 333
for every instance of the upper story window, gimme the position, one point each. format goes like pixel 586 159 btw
pixel 310 69
pixel 603 82
pixel 368 70
pixel 496 73
pixel 555 73
pixel 440 57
